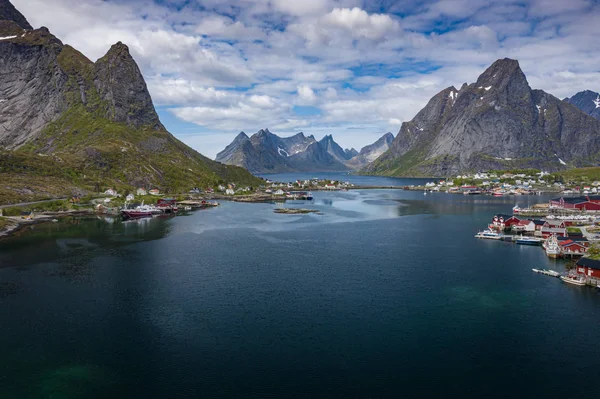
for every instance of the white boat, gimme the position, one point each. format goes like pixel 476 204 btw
pixel 552 247
pixel 488 235
pixel 536 270
pixel 572 280
pixel 528 240
pixel 551 273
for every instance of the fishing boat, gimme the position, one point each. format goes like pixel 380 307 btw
pixel 528 240
pixel 488 235
pixel 572 280
pixel 135 214
pixel 552 247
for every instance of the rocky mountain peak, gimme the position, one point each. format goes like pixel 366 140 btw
pixel 497 123
pixel 502 73
pixel 120 83
pixel 8 12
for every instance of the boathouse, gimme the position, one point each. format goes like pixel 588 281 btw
pixel 585 203
pixel 572 248
pixel 590 268
pixel 538 224
pixel 525 226
pixel 502 221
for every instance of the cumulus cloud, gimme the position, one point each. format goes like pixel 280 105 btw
pixel 366 66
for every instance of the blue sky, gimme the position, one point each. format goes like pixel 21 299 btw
pixel 352 68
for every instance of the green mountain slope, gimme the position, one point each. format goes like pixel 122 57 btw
pixel 70 125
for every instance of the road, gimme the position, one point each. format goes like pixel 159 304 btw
pixel 32 203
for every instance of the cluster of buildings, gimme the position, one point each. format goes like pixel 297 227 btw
pixel 570 243
pixel 582 203
pixel 312 183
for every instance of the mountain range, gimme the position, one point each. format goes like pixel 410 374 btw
pixel 265 152
pixel 588 101
pixel 67 123
pixel 498 122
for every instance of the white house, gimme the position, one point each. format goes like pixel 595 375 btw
pixel 141 191
pixel 129 197
pixel 154 191
pixel 111 192
pixel 279 192
pixel 229 191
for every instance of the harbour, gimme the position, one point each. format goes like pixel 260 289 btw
pixel 170 272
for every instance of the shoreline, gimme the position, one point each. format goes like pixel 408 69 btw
pixel 18 224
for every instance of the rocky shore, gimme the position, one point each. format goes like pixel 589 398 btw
pixel 295 211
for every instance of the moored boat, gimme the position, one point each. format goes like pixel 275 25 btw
pixel 552 247
pixel 528 241
pixel 551 273
pixel 572 280
pixel 135 214
pixel 488 235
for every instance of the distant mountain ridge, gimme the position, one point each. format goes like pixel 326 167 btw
pixel 588 101
pixel 499 122
pixel 265 152
pixel 371 152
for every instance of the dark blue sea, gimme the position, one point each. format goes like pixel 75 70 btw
pixel 386 294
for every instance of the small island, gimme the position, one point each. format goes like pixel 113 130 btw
pixel 294 211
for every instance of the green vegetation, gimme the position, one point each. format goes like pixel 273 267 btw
pixel 574 230
pixel 84 152
pixel 526 172
pixel 594 252
pixel 5 223
pixel 578 176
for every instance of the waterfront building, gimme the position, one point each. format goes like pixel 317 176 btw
pixel 589 269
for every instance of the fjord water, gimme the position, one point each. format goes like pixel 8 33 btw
pixel 386 294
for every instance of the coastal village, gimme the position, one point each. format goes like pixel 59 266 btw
pixel 527 182
pixel 565 227
pixel 146 202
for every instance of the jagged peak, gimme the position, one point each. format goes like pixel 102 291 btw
pixel 117 50
pixel 501 72
pixel 8 12
pixel 241 135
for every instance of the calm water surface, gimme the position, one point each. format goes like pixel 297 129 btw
pixel 386 294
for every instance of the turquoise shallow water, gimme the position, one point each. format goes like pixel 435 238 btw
pixel 387 294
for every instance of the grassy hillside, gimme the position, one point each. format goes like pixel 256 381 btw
pixel 86 151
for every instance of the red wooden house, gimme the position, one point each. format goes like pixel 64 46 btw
pixel 589 203
pixel 589 268
pixel 503 222
pixel 573 248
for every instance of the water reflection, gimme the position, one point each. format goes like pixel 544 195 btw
pixel 76 235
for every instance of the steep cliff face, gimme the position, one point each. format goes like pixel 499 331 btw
pixel 8 12
pixel 120 83
pixel 497 122
pixel 97 118
pixel 334 149
pixel 32 85
pixel 588 101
